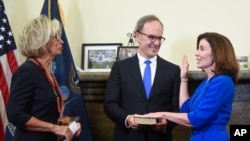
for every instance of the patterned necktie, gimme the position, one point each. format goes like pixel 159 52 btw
pixel 147 78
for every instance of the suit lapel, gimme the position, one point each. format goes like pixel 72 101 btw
pixel 134 69
pixel 158 76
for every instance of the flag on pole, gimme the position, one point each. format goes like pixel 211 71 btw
pixel 64 69
pixel 8 65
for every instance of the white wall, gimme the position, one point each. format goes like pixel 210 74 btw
pixel 109 21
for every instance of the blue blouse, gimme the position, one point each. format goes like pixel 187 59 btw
pixel 209 109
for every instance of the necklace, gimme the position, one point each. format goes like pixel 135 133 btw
pixel 54 85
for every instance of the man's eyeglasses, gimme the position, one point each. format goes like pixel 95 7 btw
pixel 153 38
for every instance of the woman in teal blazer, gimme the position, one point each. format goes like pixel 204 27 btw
pixel 208 110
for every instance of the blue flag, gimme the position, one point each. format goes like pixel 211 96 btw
pixel 64 69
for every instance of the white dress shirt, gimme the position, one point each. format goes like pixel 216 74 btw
pixel 153 65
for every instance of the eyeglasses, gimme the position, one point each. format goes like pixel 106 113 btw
pixel 153 38
pixel 57 36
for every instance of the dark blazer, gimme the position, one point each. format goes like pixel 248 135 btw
pixel 31 95
pixel 125 95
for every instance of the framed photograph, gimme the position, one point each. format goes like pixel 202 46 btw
pixel 99 57
pixel 126 52
pixel 243 62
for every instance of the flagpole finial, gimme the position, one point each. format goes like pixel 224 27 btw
pixel 49 9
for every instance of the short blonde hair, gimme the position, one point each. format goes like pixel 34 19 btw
pixel 35 35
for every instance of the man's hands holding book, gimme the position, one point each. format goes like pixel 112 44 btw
pixel 154 121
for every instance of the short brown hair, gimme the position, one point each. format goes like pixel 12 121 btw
pixel 140 23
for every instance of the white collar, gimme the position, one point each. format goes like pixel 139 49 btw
pixel 142 59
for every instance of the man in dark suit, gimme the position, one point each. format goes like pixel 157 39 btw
pixel 125 94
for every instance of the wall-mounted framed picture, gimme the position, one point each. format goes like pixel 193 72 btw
pixel 124 52
pixel 99 57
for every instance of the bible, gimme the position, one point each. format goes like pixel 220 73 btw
pixel 145 120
